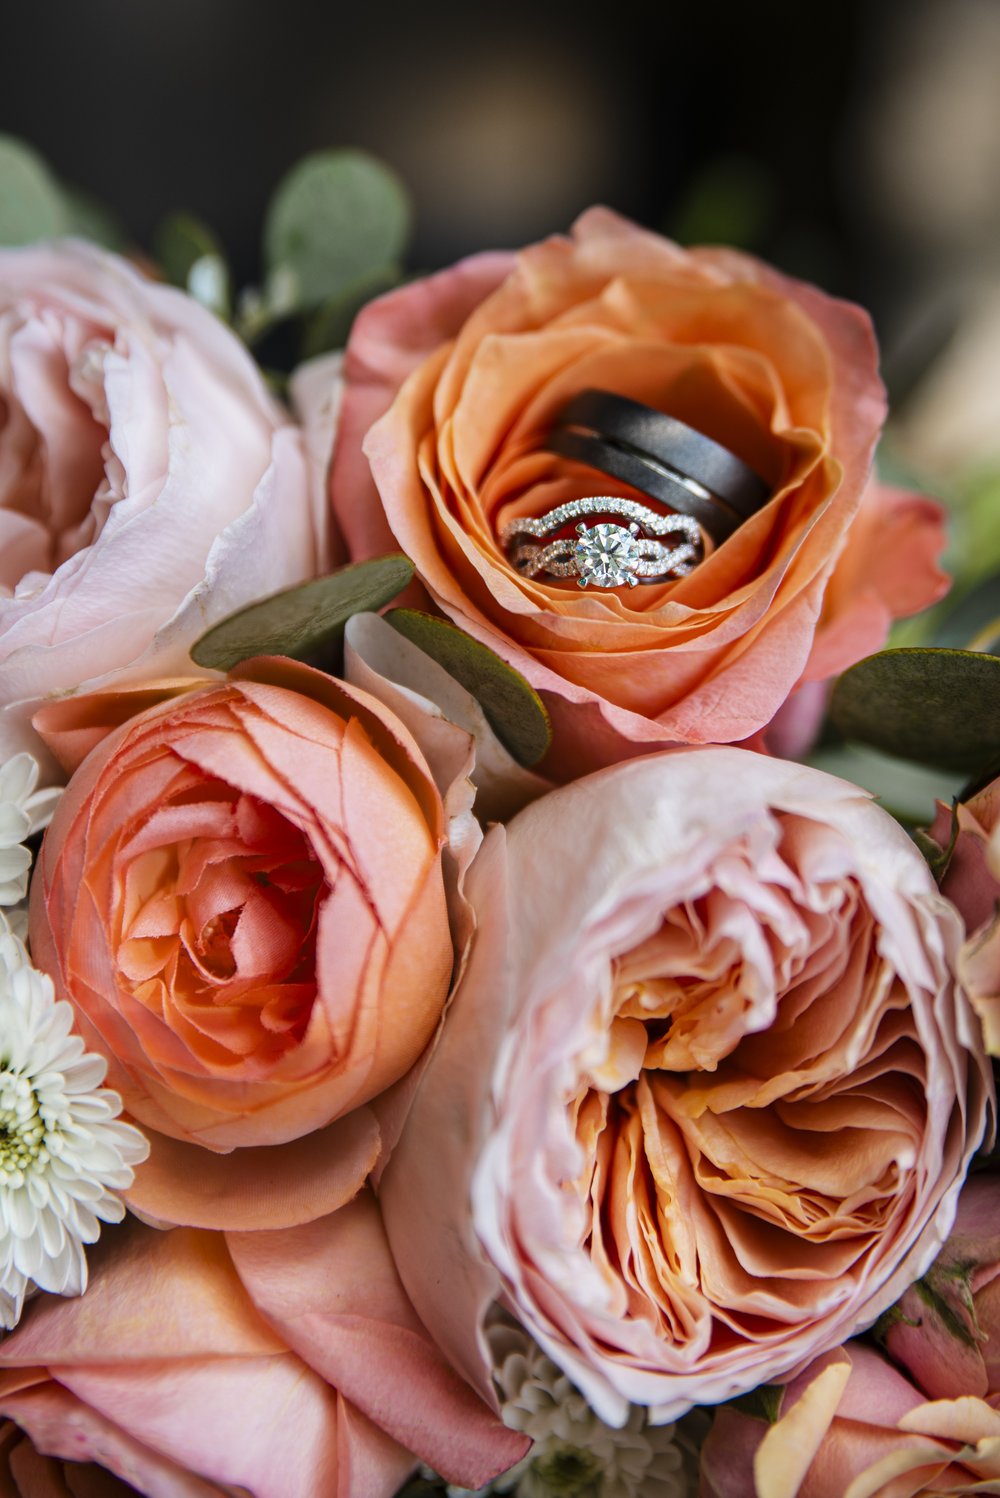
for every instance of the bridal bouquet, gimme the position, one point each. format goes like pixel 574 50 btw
pixel 455 1035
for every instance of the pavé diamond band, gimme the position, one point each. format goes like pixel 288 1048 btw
pixel 608 555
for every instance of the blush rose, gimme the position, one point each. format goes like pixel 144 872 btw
pixel 705 1096
pixel 177 1374
pixel 463 373
pixel 149 484
pixel 242 897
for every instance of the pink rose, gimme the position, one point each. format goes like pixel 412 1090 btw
pixel 707 1091
pixel 463 373
pixel 972 882
pixel 149 484
pixel 947 1332
pixel 851 1426
pixel 283 1364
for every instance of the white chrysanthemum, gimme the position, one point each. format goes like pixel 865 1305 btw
pixel 63 1154
pixel 575 1455
pixel 23 811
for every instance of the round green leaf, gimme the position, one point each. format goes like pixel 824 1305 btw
pixel 91 219
pixel 330 325
pixel 337 217
pixel 513 709
pixel 302 620
pixel 180 241
pixel 31 204
pixel 938 707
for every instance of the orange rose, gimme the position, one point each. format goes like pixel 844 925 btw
pixel 241 895
pixel 472 366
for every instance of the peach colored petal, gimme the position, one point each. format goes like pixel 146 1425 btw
pixel 333 1292
pixel 60 1425
pixel 786 1453
pixel 275 1187
pixel 389 339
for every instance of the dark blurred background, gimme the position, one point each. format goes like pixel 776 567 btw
pixel 856 144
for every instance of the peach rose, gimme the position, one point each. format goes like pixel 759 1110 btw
pixel 241 896
pixel 732 1092
pixel 851 1426
pixel 149 485
pixel 471 367
pixel 171 1375
pixel 972 882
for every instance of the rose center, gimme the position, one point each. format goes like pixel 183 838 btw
pixel 218 931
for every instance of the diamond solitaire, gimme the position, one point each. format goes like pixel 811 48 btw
pixel 607 555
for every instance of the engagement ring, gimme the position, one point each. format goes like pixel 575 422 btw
pixel 607 554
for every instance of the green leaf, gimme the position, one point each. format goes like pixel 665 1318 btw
pixel 908 792
pixel 302 620
pixel 732 202
pixel 91 219
pixel 31 203
pixel 513 709
pixel 330 326
pixel 934 706
pixel 337 217
pixel 179 241
pixel 762 1403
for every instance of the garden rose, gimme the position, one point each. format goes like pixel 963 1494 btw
pixel 472 365
pixel 972 881
pixel 732 1089
pixel 149 485
pixel 241 895
pixel 851 1426
pixel 167 1376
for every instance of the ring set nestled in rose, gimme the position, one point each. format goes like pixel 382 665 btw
pixel 705 490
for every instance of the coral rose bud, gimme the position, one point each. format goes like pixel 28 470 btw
pixel 945 1330
pixel 242 897
pixel 707 1090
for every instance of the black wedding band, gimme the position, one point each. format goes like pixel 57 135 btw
pixel 662 457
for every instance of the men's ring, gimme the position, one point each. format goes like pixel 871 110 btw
pixel 662 457
pixel 607 554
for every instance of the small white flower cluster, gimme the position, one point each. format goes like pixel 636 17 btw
pixel 574 1453
pixel 63 1154
pixel 23 812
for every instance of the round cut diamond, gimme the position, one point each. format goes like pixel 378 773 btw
pixel 607 555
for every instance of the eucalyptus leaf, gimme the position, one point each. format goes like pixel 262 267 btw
pixel 91 219
pixel 180 241
pixel 514 709
pixel 331 324
pixel 934 706
pixel 973 622
pixel 302 620
pixel 337 217
pixel 32 205
pixel 908 792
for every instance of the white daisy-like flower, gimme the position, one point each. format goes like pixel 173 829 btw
pixel 575 1455
pixel 23 811
pixel 64 1155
